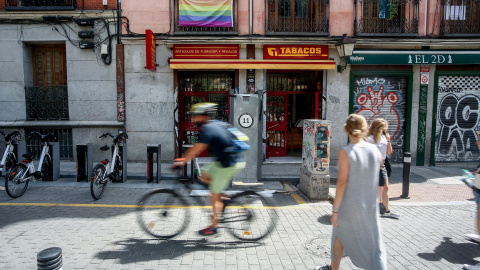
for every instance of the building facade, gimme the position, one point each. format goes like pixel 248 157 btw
pixel 415 63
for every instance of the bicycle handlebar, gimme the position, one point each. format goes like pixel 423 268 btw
pixel 43 138
pixel 14 136
pixel 115 138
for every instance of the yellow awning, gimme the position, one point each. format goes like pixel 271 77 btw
pixel 251 64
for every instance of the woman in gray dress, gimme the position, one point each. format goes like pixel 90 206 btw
pixel 356 226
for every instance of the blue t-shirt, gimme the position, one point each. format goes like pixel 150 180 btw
pixel 219 141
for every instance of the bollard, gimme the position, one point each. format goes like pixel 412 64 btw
pixel 407 160
pixel 151 149
pixel 50 259
pixel 84 161
pixel 54 149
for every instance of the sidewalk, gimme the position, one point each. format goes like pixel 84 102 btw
pixel 427 184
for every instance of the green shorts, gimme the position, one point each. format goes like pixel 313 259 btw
pixel 220 176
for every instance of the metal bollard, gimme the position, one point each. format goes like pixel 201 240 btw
pixel 151 149
pixel 84 161
pixel 50 259
pixel 407 160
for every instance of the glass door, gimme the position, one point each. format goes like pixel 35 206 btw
pixel 277 125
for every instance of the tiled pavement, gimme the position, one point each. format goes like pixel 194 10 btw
pixel 104 234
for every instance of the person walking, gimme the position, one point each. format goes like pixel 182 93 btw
pixel 356 226
pixel 378 135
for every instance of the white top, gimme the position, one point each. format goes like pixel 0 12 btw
pixel 382 145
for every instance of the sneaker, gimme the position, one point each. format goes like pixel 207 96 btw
pixel 471 267
pixel 208 231
pixel 382 208
pixel 326 267
pixel 390 214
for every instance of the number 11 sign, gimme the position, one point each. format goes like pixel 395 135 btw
pixel 245 120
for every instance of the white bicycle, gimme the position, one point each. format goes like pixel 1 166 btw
pixel 18 176
pixel 9 159
pixel 105 171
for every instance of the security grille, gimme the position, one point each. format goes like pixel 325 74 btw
pixel 63 135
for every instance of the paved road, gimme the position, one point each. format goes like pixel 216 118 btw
pixel 104 234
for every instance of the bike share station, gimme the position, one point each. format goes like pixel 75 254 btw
pixel 19 148
pixel 85 161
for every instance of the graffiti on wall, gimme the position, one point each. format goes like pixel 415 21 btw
pixel 383 97
pixel 458 115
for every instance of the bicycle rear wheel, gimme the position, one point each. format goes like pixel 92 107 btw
pixel 249 216
pixel 15 184
pixel 98 182
pixel 47 169
pixel 163 213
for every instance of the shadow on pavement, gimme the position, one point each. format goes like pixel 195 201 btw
pixel 325 220
pixel 456 253
pixel 138 250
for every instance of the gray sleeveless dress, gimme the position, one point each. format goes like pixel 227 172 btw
pixel 360 229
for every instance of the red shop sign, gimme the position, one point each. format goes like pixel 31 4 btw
pixel 151 49
pixel 318 52
pixel 217 51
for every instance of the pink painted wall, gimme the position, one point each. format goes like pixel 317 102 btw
pixel 341 17
pixel 148 14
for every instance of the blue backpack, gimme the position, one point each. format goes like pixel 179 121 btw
pixel 240 139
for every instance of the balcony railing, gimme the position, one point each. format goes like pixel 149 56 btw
pixel 39 4
pixel 297 17
pixel 460 18
pixel 47 103
pixel 386 18
pixel 197 30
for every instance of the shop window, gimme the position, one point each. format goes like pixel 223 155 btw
pixel 387 17
pixel 196 87
pixel 290 81
pixel 297 16
pixel 460 18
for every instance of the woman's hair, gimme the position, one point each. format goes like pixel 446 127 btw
pixel 356 125
pixel 376 129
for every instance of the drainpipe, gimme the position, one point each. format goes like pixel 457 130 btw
pixel 251 16
pixel 426 12
pixel 119 21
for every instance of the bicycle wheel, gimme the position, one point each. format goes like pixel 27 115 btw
pixel 98 182
pixel 163 213
pixel 249 216
pixel 15 183
pixel 47 169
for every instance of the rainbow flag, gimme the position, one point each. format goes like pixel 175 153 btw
pixel 205 13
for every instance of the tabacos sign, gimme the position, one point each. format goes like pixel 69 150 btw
pixel 319 52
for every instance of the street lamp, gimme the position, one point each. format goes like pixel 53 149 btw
pixel 345 48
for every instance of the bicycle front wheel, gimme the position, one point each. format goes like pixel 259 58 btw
pixel 15 182
pixel 249 216
pixel 163 213
pixel 98 182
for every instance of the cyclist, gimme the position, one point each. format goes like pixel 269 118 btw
pixel 220 173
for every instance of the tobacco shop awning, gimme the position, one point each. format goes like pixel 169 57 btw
pixel 251 64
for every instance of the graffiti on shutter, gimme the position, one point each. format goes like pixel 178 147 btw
pixel 458 115
pixel 385 97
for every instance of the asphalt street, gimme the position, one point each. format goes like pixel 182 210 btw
pixel 104 234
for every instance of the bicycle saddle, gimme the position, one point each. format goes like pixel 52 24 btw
pixel 104 148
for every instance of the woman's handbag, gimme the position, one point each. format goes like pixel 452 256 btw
pixel 388 166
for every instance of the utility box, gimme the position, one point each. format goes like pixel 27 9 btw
pixel 247 118
pixel 314 174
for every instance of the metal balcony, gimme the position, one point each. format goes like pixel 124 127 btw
pixel 41 5
pixel 47 103
pixel 297 17
pixel 398 18
pixel 460 18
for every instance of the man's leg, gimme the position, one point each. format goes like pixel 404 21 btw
pixel 217 206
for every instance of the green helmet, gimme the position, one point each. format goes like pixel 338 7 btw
pixel 204 108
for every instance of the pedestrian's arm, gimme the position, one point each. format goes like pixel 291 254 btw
pixel 342 178
pixel 389 144
pixel 193 152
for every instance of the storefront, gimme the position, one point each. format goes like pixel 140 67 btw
pixel 447 114
pixel 294 84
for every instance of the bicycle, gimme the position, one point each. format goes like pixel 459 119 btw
pixel 105 171
pixel 9 159
pixel 17 178
pixel 247 215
